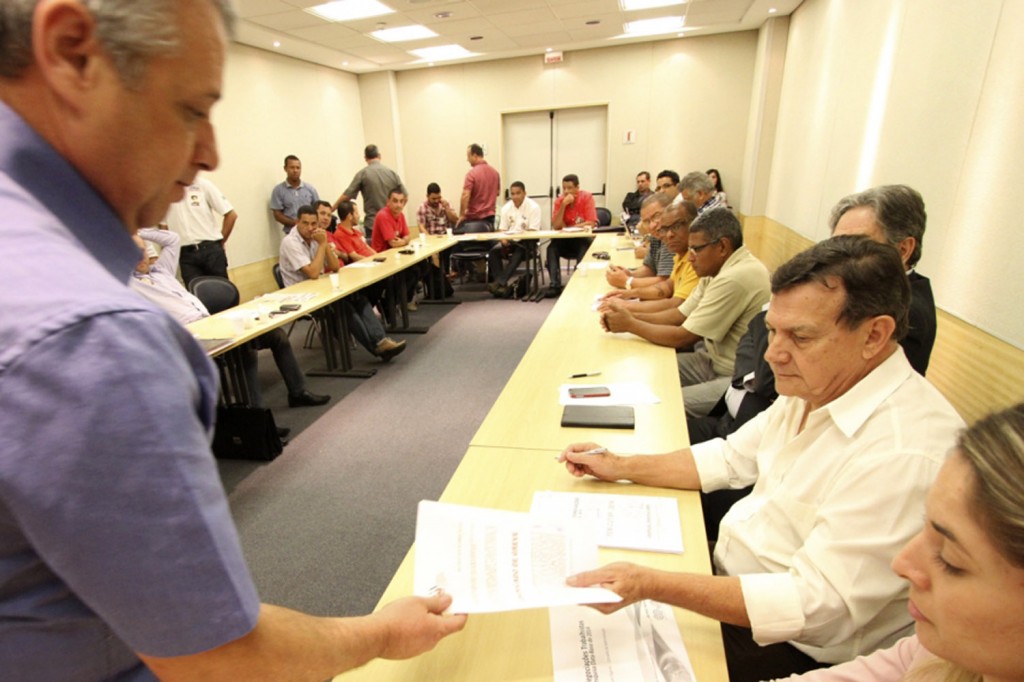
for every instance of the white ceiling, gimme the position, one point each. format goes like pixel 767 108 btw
pixel 502 28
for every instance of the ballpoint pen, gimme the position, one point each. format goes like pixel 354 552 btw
pixel 595 451
pixel 584 374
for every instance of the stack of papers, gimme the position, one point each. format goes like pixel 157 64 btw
pixel 625 521
pixel 490 560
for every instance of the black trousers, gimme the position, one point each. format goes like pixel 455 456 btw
pixel 749 662
pixel 208 259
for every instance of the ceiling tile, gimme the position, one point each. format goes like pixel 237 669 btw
pixel 255 8
pixel 543 39
pixel 288 20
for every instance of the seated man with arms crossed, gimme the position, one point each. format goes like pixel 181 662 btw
pixel 519 214
pixel 733 287
pixel 658 261
pixel 305 255
pixel 673 233
pixel 157 283
pixel 841 462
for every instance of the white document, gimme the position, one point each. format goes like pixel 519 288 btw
pixel 626 521
pixel 639 643
pixel 490 560
pixel 624 393
pixel 364 264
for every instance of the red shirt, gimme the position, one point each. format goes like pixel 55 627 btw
pixel 483 183
pixel 386 227
pixel 581 210
pixel 350 242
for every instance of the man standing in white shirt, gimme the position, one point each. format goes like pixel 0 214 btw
pixel 202 240
pixel 519 214
pixel 840 465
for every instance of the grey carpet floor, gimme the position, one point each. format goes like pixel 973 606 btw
pixel 325 526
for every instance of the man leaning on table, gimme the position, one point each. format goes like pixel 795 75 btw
pixel 673 235
pixel 839 464
pixel 306 254
pixel 119 559
pixel 709 324
pixel 658 261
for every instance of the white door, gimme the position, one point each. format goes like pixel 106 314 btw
pixel 540 147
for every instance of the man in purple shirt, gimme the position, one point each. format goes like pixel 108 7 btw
pixel 119 559
pixel 480 190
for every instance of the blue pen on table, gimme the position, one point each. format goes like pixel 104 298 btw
pixel 584 374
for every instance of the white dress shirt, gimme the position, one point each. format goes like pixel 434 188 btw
pixel 525 217
pixel 198 217
pixel 831 506
pixel 161 286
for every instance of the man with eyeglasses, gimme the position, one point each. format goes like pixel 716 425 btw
pixel 673 233
pixel 734 285
pixel 658 263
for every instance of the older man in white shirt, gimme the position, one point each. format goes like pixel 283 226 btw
pixel 840 465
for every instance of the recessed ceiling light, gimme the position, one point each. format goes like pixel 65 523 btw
pixel 649 27
pixel 443 15
pixel 772 10
pixel 349 10
pixel 476 37
pixel 403 33
pixel 630 5
pixel 593 22
pixel 442 52
pixel 548 49
pixel 277 43
pixel 344 63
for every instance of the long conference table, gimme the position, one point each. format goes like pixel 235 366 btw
pixel 512 456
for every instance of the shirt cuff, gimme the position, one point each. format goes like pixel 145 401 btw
pixel 711 467
pixel 773 607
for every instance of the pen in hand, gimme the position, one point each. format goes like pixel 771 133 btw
pixel 584 374
pixel 595 451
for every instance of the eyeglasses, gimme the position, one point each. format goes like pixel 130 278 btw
pixel 700 247
pixel 677 226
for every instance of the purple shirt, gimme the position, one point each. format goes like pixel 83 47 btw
pixel 115 533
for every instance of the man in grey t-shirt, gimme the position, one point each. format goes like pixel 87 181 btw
pixel 375 182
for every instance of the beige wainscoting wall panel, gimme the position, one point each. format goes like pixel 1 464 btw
pixel 254 279
pixel 977 372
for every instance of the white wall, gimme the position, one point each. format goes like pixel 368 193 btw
pixel 928 93
pixel 274 106
pixel 687 99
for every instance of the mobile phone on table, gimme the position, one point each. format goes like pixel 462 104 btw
pixel 590 392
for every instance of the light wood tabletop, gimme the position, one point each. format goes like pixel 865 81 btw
pixel 527 414
pixel 516 645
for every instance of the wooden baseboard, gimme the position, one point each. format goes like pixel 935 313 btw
pixel 977 372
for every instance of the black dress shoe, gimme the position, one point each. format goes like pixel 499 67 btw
pixel 283 431
pixel 307 399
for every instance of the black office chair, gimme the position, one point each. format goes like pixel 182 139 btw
pixel 314 324
pixel 604 222
pixel 469 252
pixel 216 293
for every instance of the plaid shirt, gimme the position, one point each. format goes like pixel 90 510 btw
pixel 435 219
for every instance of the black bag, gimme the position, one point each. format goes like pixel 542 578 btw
pixel 246 433
pixel 519 287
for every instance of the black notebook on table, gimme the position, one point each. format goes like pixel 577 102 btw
pixel 598 416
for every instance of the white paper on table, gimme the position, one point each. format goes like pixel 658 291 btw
pixel 638 643
pixel 593 265
pixel 628 521
pixel 490 560
pixel 624 393
pixel 574 229
pixel 364 264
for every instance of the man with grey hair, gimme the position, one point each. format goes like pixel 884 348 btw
pixel 119 559
pixel 658 261
pixel 709 323
pixel 895 214
pixel 802 573
pixel 700 189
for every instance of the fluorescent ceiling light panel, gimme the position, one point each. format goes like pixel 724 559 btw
pixel 650 27
pixel 349 10
pixel 402 33
pixel 631 5
pixel 442 52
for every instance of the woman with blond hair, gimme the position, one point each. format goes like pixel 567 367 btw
pixel 965 569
